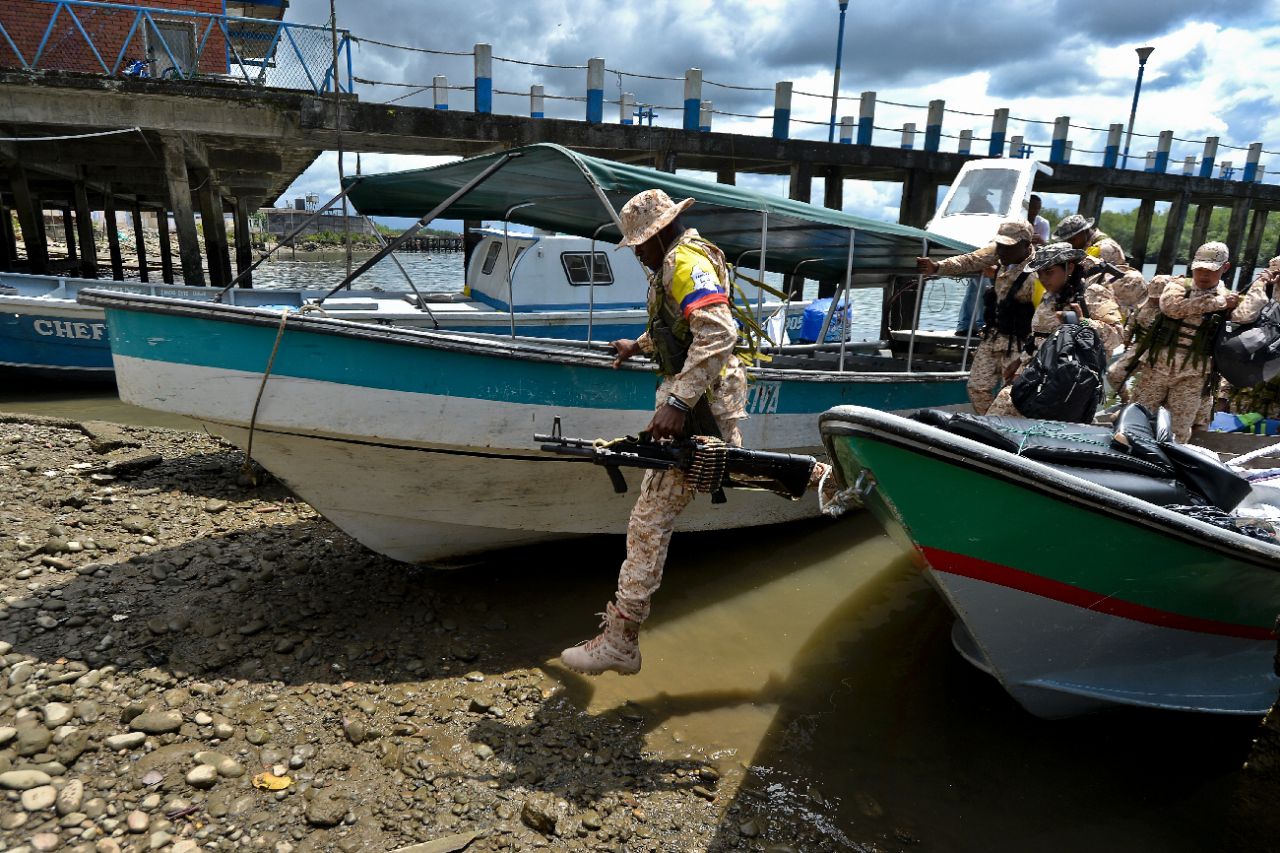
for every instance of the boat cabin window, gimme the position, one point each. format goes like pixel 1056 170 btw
pixel 984 191
pixel 491 258
pixel 577 268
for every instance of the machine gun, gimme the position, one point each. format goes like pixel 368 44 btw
pixel 708 464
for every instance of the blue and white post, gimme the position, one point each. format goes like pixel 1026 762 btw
pixel 866 117
pixel 595 90
pixel 484 78
pixel 440 92
pixel 1227 171
pixel 1151 162
pixel 1162 151
pixel 1210 154
pixel 537 102
pixel 933 125
pixel 909 136
pixel 1189 165
pixel 1015 147
pixel 846 130
pixel 1111 156
pixel 627 108
pixel 1058 150
pixel 704 117
pixel 692 98
pixel 1251 164
pixel 966 143
pixel 782 111
pixel 999 126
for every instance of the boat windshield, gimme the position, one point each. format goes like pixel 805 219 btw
pixel 984 191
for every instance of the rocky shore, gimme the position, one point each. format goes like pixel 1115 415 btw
pixel 189 663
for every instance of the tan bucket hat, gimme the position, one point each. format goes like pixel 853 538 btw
pixel 646 214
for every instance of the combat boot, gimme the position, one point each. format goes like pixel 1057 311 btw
pixel 616 647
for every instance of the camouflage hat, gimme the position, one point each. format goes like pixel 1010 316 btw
pixel 1072 225
pixel 1014 231
pixel 1054 254
pixel 1211 256
pixel 646 214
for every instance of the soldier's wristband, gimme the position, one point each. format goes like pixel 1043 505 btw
pixel 676 403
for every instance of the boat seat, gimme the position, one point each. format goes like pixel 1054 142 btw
pixel 1177 474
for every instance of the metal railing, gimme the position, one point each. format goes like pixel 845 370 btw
pixel 148 41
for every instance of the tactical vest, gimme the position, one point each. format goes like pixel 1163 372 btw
pixel 1010 317
pixel 669 330
pixel 1166 337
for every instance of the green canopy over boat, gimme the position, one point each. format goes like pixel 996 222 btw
pixel 549 186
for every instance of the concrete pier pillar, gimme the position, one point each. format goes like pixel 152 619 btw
pixel 999 126
pixel 933 125
pixel 166 251
pixel 627 108
pixel 965 145
pixel 184 218
pixel 1200 228
pixel 1235 234
pixel 595 90
pixel 1111 154
pixel 909 136
pixel 214 225
pixel 84 231
pixel 866 117
pixel 692 98
pixel 29 216
pixel 484 78
pixel 440 92
pixel 833 188
pixel 1174 224
pixel 69 235
pixel 140 241
pixel 1189 165
pixel 1206 159
pixel 846 130
pixel 726 175
pixel 1091 201
pixel 470 239
pixel 919 198
pixel 1015 147
pixel 1249 260
pixel 1162 151
pixel 705 112
pixel 113 232
pixel 800 189
pixel 665 161
pixel 244 242
pixel 538 102
pixel 8 251
pixel 782 111
pixel 1142 233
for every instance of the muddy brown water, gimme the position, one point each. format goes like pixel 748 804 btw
pixel 820 658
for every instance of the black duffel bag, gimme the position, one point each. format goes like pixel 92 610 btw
pixel 1063 382
pixel 1249 354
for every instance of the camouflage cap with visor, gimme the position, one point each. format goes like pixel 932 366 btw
pixel 1211 256
pixel 1054 254
pixel 1014 231
pixel 1072 225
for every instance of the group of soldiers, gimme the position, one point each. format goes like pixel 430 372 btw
pixel 1167 327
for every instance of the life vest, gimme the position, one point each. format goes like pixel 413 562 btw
pixel 1166 337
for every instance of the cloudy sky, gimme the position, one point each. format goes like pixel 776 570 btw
pixel 1213 71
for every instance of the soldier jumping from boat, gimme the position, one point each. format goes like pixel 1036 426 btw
pixel 692 336
pixel 1009 321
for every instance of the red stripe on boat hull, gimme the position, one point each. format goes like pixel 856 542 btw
pixel 972 567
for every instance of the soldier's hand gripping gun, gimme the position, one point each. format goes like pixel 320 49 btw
pixel 708 464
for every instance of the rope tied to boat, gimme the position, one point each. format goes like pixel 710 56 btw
pixel 1048 429
pixel 246 470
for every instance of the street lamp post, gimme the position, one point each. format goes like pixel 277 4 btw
pixel 1143 54
pixel 835 87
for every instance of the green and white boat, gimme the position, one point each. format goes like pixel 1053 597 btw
pixel 1075 595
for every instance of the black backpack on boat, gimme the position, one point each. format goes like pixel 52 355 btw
pixel 1249 353
pixel 1064 380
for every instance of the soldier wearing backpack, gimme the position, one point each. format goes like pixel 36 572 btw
pixel 1068 300
pixel 1008 323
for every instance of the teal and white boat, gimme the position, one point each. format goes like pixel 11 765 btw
pixel 420 443
pixel 1073 581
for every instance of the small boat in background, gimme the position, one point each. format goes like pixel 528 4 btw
pixel 1082 575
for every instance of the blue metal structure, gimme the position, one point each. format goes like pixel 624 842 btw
pixel 835 88
pixel 1143 54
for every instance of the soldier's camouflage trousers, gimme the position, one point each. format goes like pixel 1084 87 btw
pixel 1181 390
pixel 990 360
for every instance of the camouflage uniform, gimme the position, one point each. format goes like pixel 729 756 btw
pixel 710 364
pixel 1175 380
pixel 996 353
pixel 1103 247
pixel 1143 314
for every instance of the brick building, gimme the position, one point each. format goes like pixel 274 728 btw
pixel 113 33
